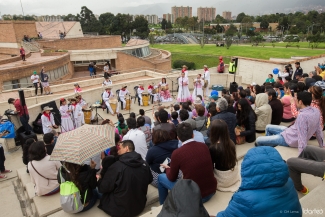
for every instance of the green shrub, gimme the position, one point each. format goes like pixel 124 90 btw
pixel 177 64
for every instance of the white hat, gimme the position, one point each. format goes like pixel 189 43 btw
pixel 108 87
pixel 253 84
pixel 46 108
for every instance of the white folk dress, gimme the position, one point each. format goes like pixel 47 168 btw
pixel 66 121
pixel 183 92
pixel 207 77
pixel 198 88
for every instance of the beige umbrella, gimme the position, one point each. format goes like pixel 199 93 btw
pixel 83 143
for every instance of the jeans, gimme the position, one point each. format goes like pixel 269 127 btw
pixel 36 87
pixel 272 136
pixel 310 161
pixel 2 159
pixel 24 121
pixel 93 200
pixel 164 185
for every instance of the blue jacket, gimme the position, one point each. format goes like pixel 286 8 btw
pixel 158 153
pixel 266 189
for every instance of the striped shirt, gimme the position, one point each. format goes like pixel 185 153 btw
pixel 306 124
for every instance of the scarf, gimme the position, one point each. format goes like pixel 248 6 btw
pixel 47 115
pixel 141 88
pixel 150 87
pixel 206 69
pixel 184 70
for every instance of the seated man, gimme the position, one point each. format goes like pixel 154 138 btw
pixel 194 160
pixel 297 135
pixel 164 125
pixel 106 96
pixel 197 136
pixel 310 161
pixel 277 107
pixel 125 183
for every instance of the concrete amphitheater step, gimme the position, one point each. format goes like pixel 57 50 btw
pixel 313 203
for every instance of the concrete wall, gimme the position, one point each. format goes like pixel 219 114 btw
pixel 85 43
pixel 75 31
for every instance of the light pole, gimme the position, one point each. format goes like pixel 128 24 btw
pixel 22 9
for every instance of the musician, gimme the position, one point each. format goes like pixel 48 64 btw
pixel 184 69
pixel 122 94
pixel 84 106
pixel 140 90
pixel 66 121
pixel 78 115
pixel 206 79
pixel 164 91
pixel 198 84
pixel 106 82
pixel 48 120
pixel 183 92
pixel 106 96
pixel 153 92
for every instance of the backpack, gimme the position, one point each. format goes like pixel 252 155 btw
pixel 70 196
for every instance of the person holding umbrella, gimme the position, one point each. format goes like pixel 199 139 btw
pixel 48 120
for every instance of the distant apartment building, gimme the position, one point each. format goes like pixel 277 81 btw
pixel 206 14
pixel 152 19
pixel 181 12
pixel 226 15
pixel 168 17
pixel 47 18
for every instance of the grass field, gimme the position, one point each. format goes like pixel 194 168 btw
pixel 301 45
pixel 209 53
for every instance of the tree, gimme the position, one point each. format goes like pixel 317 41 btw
pixel 247 23
pixel 219 19
pixel 70 17
pixel 178 22
pixel 240 17
pixel 106 20
pixel 88 21
pixel 250 33
pixel 169 25
pixel 264 24
pixel 231 31
pixel 228 42
pixel 219 28
pixel 140 24
pixel 164 24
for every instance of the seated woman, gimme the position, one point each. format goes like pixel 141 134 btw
pixel 246 118
pixel 263 112
pixel 26 146
pixel 84 177
pixel 223 155
pixel 263 187
pixel 157 154
pixel 287 113
pixel 164 91
pixel 42 171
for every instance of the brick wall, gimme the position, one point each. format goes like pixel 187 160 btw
pixel 84 43
pixel 7 32
pixel 13 59
pixel 125 61
pixel 26 69
pixel 9 51
pixel 14 31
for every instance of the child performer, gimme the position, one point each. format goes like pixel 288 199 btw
pixel 48 120
pixel 198 84
pixel 183 91
pixel 66 121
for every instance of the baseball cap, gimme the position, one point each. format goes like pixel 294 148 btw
pixel 34 72
pixel 215 97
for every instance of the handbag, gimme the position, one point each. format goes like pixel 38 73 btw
pixel 240 139
pixel 48 180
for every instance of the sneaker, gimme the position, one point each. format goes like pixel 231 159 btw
pixel 51 93
pixel 304 190
pixel 6 171
pixel 3 176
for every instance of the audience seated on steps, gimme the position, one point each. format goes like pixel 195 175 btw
pixel 223 155
pixel 287 114
pixel 164 125
pixel 157 154
pixel 145 129
pixel 228 117
pixel 198 137
pixel 246 117
pixel 43 172
pixel 266 188
pixel 48 139
pixel 125 183
pixel 201 120
pixel 194 160
pixel 310 161
pixel 26 146
pixel 84 177
pixel 263 112
pixel 297 135
pixel 184 200
pixel 276 106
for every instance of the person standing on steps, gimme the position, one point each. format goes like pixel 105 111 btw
pixel 22 53
pixel 45 82
pixel 22 112
pixel 207 81
pixel 36 82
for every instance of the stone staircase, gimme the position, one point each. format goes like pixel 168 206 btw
pixel 32 46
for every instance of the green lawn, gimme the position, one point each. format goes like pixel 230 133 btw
pixel 209 53
pixel 301 45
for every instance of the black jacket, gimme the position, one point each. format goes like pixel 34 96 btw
pixel 158 153
pixel 87 179
pixel 277 111
pixel 250 126
pixel 230 119
pixel 184 200
pixel 124 186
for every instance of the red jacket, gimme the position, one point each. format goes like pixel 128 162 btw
pixel 194 160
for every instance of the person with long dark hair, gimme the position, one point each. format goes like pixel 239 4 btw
pixel 287 111
pixel 121 125
pixel 223 155
pixel 246 117
pixel 43 171
pixel 84 177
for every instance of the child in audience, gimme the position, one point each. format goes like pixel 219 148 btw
pixel 175 118
pixel 121 125
pixel 270 79
pixel 279 80
pixel 279 90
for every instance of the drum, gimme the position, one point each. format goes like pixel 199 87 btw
pixel 87 115
pixel 128 104
pixel 155 91
pixel 145 98
pixel 113 104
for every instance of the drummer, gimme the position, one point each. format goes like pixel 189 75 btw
pixel 140 91
pixel 122 94
pixel 84 105
pixel 107 95
pixel 153 90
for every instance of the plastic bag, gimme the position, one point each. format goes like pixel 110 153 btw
pixel 9 129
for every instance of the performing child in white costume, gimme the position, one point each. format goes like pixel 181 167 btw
pixel 106 82
pixel 122 94
pixel 66 120
pixel 48 120
pixel 183 92
pixel 78 116
pixel 153 91
pixel 206 78
pixel 140 90
pixel 107 95
pixel 198 84
pixel 184 69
